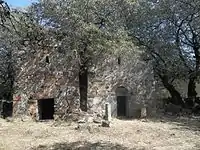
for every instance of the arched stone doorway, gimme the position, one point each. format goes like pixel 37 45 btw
pixel 122 101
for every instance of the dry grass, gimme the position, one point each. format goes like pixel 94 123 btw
pixel 155 134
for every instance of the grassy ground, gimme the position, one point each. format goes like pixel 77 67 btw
pixel 153 134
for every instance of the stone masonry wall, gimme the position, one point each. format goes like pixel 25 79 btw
pixel 135 75
pixel 38 79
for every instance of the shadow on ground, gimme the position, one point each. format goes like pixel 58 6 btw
pixel 81 146
pixel 189 122
pixel 183 122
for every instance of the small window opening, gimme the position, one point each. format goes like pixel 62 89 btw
pixel 46 109
pixel 119 60
pixel 47 59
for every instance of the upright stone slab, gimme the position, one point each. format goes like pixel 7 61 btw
pixel 143 112
pixel 108 112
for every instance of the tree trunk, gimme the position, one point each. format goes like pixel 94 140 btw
pixel 197 57
pixel 83 78
pixel 176 96
pixel 1 108
pixel 192 88
pixel 83 87
pixel 7 105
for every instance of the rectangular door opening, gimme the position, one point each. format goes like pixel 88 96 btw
pixel 46 109
pixel 121 106
pixel 6 109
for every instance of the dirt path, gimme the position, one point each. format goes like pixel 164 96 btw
pixel 132 134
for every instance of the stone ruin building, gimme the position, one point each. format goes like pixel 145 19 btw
pixel 47 86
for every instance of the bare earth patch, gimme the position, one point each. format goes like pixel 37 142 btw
pixel 154 134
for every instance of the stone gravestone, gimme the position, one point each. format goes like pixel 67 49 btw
pixel 108 112
pixel 106 122
pixel 143 112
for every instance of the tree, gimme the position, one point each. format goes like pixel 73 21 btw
pixel 87 30
pixel 4 12
pixel 7 71
pixel 13 33
pixel 149 28
pixel 6 66
pixel 169 31
pixel 186 23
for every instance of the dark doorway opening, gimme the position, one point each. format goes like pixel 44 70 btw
pixel 121 106
pixel 6 109
pixel 46 109
pixel 122 100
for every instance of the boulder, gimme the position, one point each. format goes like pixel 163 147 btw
pixel 86 127
pixel 82 121
pixel 196 109
pixel 89 119
pixel 173 109
pixel 105 124
pixel 189 102
pixel 81 127
pixel 97 120
pixel 9 119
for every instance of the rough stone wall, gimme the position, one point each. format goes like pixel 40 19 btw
pixel 38 79
pixel 133 74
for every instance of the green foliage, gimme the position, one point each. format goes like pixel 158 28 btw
pixel 153 25
pixel 82 24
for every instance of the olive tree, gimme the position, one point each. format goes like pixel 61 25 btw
pixel 86 30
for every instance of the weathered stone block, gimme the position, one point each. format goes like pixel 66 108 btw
pixel 172 109
pixel 97 120
pixel 143 112
pixel 105 124
pixel 81 126
pixel 108 112
pixel 82 121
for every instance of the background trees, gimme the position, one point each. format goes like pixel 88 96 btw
pixel 169 32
